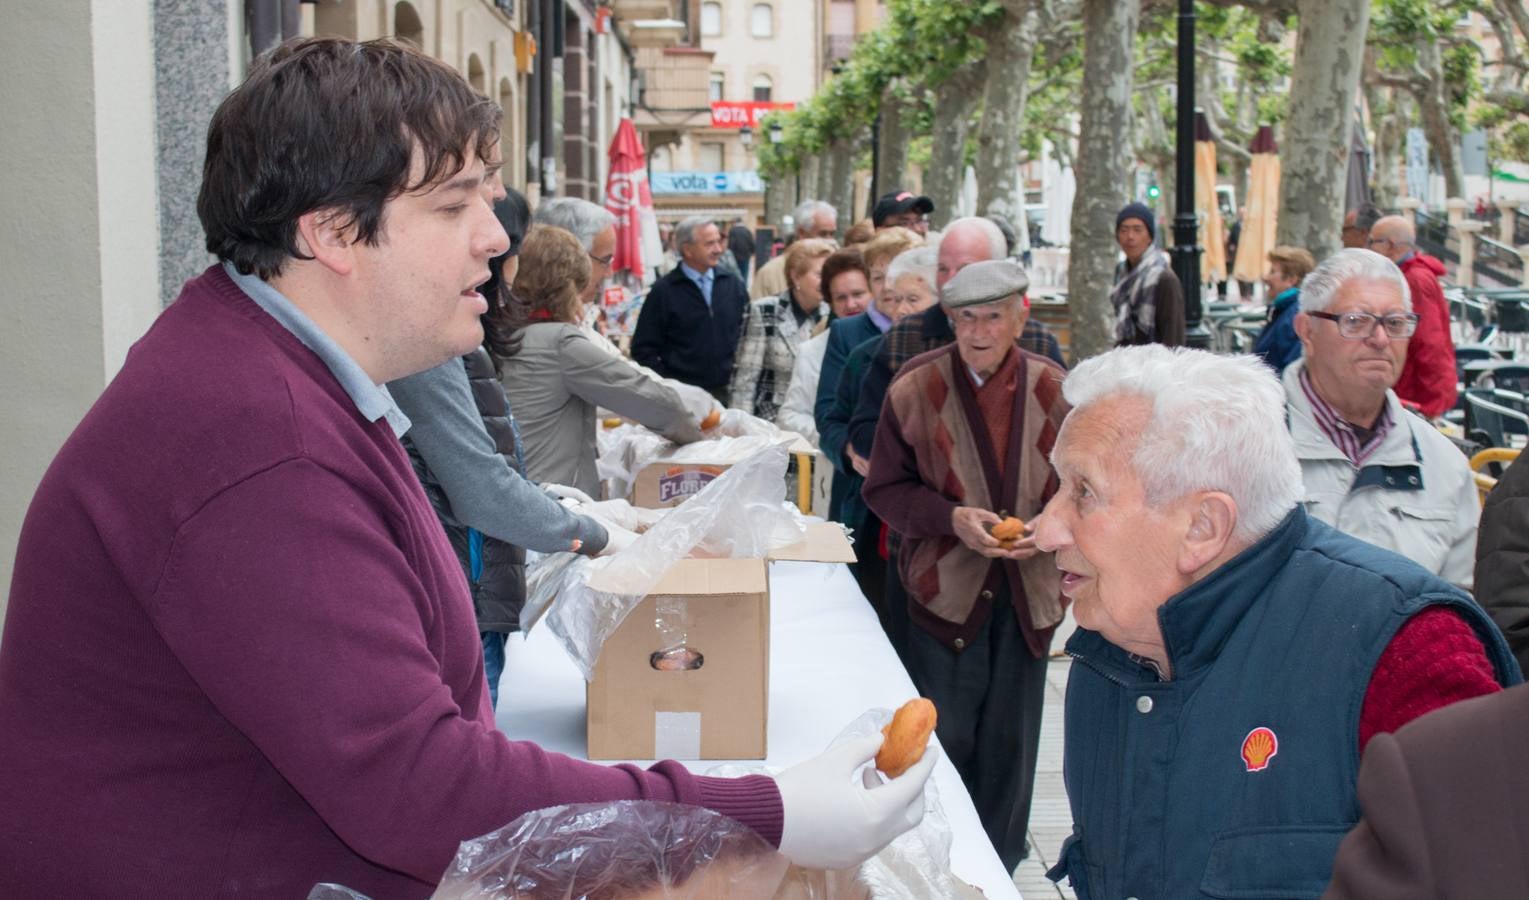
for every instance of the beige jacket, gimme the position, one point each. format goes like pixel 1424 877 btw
pixel 557 381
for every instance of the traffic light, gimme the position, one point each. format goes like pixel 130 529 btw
pixel 1153 192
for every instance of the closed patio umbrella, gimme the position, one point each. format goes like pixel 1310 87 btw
pixel 1258 226
pixel 1212 243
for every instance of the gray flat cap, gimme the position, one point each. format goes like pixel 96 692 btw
pixel 984 282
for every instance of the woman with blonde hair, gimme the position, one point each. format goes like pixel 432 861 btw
pixel 775 327
pixel 557 378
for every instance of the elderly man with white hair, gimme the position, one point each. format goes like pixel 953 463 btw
pixel 1371 468
pixel 1234 654
pixel 812 219
pixel 962 444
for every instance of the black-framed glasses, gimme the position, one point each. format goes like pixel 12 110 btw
pixel 603 260
pixel 1356 326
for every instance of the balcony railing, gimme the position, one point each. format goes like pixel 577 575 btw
pixel 633 10
pixel 675 77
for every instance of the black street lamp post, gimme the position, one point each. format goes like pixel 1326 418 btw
pixel 1186 252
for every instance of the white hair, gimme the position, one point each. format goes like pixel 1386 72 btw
pixel 998 247
pixel 582 219
pixel 920 261
pixel 1320 286
pixel 802 216
pixel 1217 424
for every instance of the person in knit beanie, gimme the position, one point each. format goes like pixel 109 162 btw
pixel 1147 296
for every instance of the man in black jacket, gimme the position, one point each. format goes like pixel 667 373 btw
pixel 690 322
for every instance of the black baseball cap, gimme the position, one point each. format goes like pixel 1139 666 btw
pixel 899 202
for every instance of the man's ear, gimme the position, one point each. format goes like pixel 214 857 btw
pixel 1302 326
pixel 327 236
pixel 1212 520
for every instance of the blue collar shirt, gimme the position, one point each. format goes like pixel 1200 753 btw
pixel 372 400
pixel 703 280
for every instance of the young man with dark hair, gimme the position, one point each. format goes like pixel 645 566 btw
pixel 240 655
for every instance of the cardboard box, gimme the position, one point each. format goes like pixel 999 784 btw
pixel 663 482
pixel 713 700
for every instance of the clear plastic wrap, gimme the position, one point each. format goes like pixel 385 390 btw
pixel 626 850
pixel 739 515
pixel 627 449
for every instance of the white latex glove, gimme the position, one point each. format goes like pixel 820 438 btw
pixel 832 820
pixel 617 539
pixel 564 492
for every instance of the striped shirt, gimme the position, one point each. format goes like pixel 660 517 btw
pixel 1355 441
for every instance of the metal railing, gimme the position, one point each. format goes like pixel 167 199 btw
pixel 1497 263
pixel 1436 238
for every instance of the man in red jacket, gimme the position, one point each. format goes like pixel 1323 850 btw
pixel 1428 377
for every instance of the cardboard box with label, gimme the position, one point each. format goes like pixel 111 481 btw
pixel 667 481
pixel 687 673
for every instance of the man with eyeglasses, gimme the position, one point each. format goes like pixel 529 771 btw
pixel 1428 378
pixel 1371 468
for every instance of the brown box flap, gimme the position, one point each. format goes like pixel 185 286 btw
pixel 825 542
pixel 714 576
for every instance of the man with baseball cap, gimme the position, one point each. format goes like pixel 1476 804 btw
pixel 902 208
pixel 963 442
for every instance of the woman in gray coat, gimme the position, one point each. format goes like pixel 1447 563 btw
pixel 557 378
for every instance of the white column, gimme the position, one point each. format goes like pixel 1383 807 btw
pixel 1456 207
pixel 1466 275
pixel 1506 222
pixel 82 263
pixel 1410 207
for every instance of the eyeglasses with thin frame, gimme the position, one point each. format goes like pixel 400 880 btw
pixel 603 260
pixel 1356 326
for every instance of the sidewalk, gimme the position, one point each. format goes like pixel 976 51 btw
pixel 1050 817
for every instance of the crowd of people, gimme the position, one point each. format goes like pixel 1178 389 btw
pixel 292 533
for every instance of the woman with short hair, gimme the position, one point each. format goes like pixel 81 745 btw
pixel 1277 344
pixel 776 327
pixel 557 378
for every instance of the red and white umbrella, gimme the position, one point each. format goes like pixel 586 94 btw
pixel 628 198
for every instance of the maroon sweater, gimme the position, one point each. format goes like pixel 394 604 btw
pixel 240 656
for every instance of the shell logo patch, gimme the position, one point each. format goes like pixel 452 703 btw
pixel 1258 748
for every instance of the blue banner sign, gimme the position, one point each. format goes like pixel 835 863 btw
pixel 746 182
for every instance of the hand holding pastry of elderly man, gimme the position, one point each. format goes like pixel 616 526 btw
pixel 974 527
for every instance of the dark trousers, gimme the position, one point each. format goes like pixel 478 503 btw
pixel 895 619
pixel 989 698
pixel 870 570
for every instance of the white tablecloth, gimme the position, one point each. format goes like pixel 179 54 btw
pixel 829 662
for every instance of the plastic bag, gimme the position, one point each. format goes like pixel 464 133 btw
pixel 626 450
pixel 624 850
pixel 738 515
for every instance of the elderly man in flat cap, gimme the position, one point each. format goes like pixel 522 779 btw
pixel 964 442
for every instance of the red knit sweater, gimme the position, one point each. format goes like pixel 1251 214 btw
pixel 1434 660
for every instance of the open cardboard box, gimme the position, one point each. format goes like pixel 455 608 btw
pixel 665 482
pixel 714 702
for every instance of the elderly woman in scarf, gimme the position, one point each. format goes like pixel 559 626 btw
pixel 1147 296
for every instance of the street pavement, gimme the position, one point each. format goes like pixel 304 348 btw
pixel 1050 818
